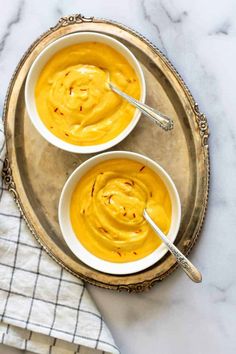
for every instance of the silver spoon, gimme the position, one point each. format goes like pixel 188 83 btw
pixel 161 119
pixel 186 265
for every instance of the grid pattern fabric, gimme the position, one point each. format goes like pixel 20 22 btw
pixel 43 308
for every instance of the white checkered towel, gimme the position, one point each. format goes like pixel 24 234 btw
pixel 43 308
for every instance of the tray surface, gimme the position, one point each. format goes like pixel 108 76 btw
pixel 36 171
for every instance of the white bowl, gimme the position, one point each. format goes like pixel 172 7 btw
pixel 39 64
pixel 73 242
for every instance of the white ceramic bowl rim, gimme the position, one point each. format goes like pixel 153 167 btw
pixel 73 242
pixel 41 61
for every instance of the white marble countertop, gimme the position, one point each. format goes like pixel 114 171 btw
pixel 199 38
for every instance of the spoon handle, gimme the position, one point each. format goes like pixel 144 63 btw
pixel 161 119
pixel 186 265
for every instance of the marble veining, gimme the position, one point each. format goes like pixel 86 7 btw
pixel 178 19
pixel 199 38
pixel 148 18
pixel 10 25
pixel 224 29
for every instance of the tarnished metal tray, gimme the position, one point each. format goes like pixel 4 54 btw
pixel 35 171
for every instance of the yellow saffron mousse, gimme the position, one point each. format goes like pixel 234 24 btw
pixel 107 210
pixel 74 100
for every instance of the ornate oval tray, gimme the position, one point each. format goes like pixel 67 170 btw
pixel 35 171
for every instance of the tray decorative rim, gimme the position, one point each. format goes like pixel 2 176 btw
pixel 203 131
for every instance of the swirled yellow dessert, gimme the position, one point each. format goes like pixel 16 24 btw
pixel 107 210
pixel 73 98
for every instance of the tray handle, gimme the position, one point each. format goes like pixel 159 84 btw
pixel 71 20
